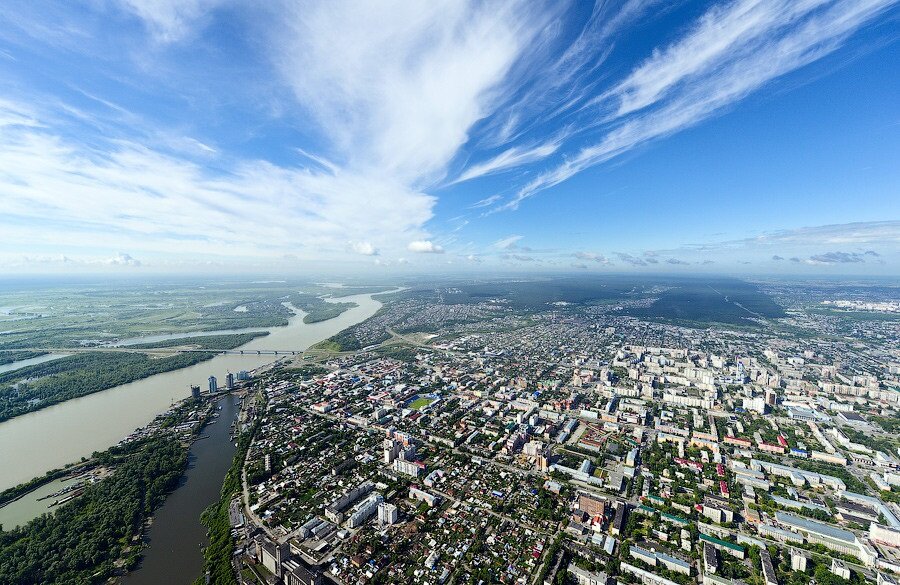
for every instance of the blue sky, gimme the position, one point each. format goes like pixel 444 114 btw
pixel 745 136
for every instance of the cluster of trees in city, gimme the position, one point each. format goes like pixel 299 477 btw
pixel 83 540
pixel 350 340
pixel 889 424
pixel 853 483
pixel 549 560
pixel 878 443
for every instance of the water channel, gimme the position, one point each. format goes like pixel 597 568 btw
pixel 47 357
pixel 176 535
pixel 34 443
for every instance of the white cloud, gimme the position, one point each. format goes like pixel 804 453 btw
pixel 132 197
pixel 364 248
pixel 519 257
pixel 122 259
pixel 486 202
pixel 396 86
pixel 424 247
pixel 393 90
pixel 725 33
pixel 868 232
pixel 593 257
pixel 510 158
pixel 507 242
pixel 390 95
pixel 865 233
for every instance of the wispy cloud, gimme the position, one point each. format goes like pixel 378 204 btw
pixel 592 257
pixel 630 259
pixel 171 20
pixel 383 105
pixel 509 159
pixel 391 90
pixel 519 257
pixel 842 257
pixel 130 196
pixel 812 246
pixel 734 50
pixel 396 87
pixel 857 234
pixel 508 242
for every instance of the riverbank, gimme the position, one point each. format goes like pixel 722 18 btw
pixel 217 555
pixel 52 437
pixel 93 535
pixel 171 542
pixel 43 385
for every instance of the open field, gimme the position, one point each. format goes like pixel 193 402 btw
pixel 420 403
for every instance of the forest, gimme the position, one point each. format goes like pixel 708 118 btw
pixel 15 356
pixel 82 541
pixel 35 387
pixel 317 309
pixel 697 302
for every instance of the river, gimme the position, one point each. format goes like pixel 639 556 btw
pixel 47 357
pixel 174 538
pixel 34 443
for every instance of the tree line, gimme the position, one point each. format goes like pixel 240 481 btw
pixel 81 542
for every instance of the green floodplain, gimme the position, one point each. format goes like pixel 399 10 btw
pixel 37 318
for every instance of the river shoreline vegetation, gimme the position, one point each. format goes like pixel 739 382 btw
pixel 59 315
pixel 34 387
pixel 16 356
pixel 316 308
pixel 14 493
pixel 217 555
pixel 210 342
pixel 91 538
pixel 99 533
pixel 100 316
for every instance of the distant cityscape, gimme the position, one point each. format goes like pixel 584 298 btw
pixel 584 450
pixel 595 431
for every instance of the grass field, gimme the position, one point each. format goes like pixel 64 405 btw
pixel 420 403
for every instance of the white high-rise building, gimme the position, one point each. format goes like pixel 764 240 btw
pixel 391 450
pixel 407 467
pixel 387 514
pixel 365 510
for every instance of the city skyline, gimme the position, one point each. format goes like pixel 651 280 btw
pixel 742 137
